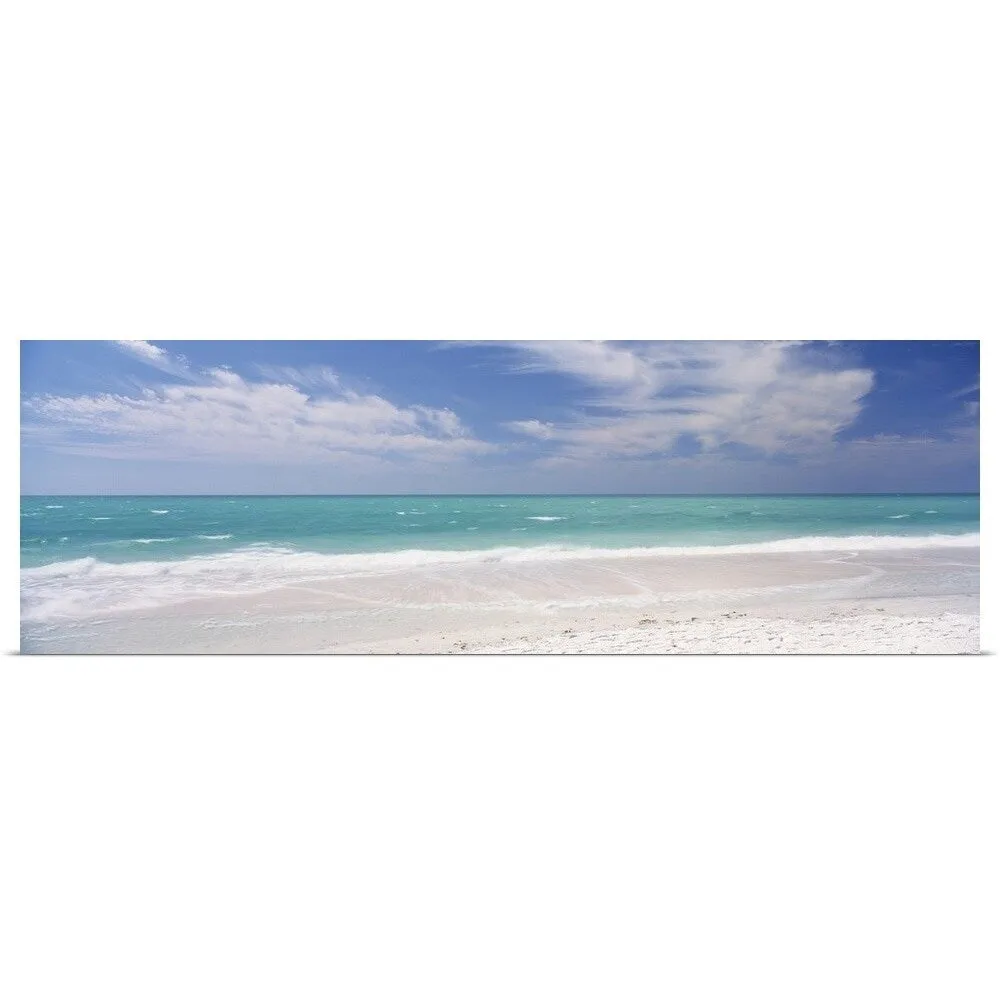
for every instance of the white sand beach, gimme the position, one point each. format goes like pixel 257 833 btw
pixel 852 627
pixel 895 600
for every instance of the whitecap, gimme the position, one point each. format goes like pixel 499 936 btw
pixel 930 511
pixel 896 517
pixel 159 512
pixel 100 519
pixel 401 513
pixel 214 538
pixel 53 506
pixel 545 519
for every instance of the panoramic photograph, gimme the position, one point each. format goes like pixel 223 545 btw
pixel 484 497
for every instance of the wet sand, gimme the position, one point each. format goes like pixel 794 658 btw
pixel 896 601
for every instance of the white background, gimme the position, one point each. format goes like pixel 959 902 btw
pixel 685 827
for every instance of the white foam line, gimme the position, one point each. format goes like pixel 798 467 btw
pixel 83 587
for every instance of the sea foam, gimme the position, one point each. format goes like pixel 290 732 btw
pixel 85 587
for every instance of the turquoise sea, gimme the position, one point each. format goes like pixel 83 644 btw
pixel 121 549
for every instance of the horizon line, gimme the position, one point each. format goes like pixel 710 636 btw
pixel 818 493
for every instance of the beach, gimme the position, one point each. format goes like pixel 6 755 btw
pixel 888 596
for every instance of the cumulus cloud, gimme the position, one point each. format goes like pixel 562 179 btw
pixel 226 418
pixel 774 397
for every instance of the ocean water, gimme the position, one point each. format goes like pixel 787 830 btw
pixel 91 554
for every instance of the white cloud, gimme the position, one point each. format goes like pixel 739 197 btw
pixel 595 362
pixel 958 394
pixel 233 419
pixel 143 349
pixel 771 396
pixel 532 428
pixel 155 356
pixel 444 421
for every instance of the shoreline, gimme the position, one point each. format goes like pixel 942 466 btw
pixel 888 600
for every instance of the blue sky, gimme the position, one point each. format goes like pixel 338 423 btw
pixel 506 416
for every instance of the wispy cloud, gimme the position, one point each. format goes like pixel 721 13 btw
pixel 319 377
pixel 227 418
pixel 772 396
pixel 157 357
pixel 968 390
pixel 621 412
